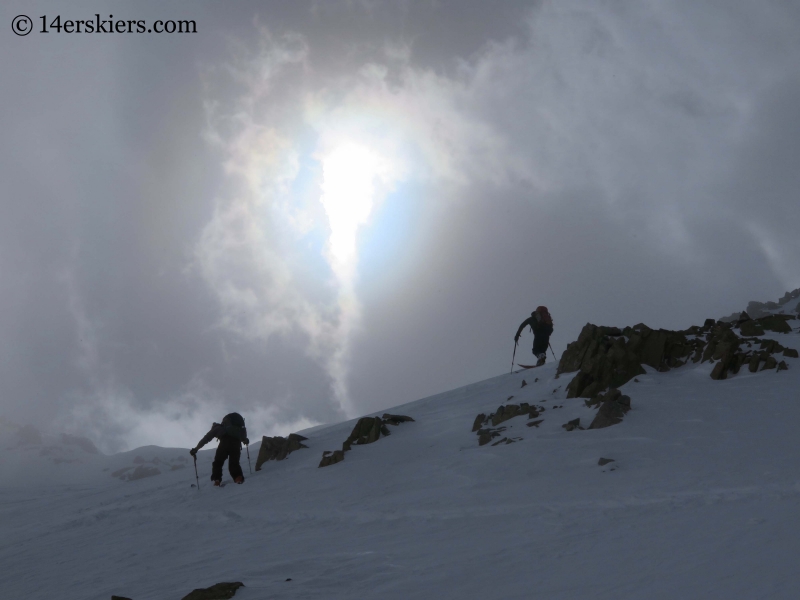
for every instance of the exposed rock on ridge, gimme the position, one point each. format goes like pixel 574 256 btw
pixel 608 357
pixel 278 448
pixel 366 431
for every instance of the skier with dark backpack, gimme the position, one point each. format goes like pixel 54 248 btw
pixel 541 323
pixel 231 434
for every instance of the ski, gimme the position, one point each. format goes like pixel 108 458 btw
pixel 528 366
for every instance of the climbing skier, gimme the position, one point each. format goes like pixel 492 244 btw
pixel 541 324
pixel 231 434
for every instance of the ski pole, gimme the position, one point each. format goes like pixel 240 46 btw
pixel 248 458
pixel 195 472
pixel 551 350
pixel 513 356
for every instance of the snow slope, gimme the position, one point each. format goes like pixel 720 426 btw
pixel 702 501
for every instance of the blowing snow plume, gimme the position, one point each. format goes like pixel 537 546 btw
pixel 281 251
pixel 349 192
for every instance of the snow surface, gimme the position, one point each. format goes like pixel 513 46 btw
pixel 702 501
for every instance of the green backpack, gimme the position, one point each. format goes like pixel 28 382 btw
pixel 234 426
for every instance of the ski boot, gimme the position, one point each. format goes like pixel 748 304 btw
pixel 542 358
pixel 239 479
pixel 217 482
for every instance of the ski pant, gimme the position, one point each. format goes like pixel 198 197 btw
pixel 540 343
pixel 231 449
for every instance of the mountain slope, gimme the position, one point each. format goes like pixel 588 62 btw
pixel 701 502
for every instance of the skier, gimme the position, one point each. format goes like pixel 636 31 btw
pixel 231 434
pixel 541 324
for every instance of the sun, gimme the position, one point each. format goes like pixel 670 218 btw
pixel 350 174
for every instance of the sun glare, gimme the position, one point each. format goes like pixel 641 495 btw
pixel 350 172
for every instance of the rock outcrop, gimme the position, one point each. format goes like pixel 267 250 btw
pixel 278 448
pixel 219 591
pixel 614 405
pixel 608 357
pixel 502 414
pixel 366 431
pixel 331 458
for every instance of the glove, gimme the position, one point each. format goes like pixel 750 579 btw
pixel 516 339
pixel 193 451
pixel 246 442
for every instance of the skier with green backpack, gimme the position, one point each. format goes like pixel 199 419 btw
pixel 231 434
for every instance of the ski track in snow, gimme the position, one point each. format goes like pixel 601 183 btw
pixel 701 502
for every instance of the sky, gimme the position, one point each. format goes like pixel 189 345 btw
pixel 307 211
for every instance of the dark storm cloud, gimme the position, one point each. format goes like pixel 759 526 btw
pixel 618 163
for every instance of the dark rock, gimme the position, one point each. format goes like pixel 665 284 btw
pixel 604 360
pixel 479 421
pixel 789 296
pixel 771 346
pixel 718 372
pixel 769 363
pixel 751 329
pixel 615 406
pixel 571 425
pixel 782 366
pixel 396 419
pixel 119 598
pixel 487 435
pixel 366 431
pixel 504 413
pixel 605 357
pixel 534 423
pixel 790 353
pixel 775 323
pixel 278 448
pixel 331 458
pixel 740 359
pixel 218 591
pixel 604 461
pixel 524 383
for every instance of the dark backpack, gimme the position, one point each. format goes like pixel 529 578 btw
pixel 234 426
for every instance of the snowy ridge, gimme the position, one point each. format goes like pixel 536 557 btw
pixel 789 304
pixel 701 501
